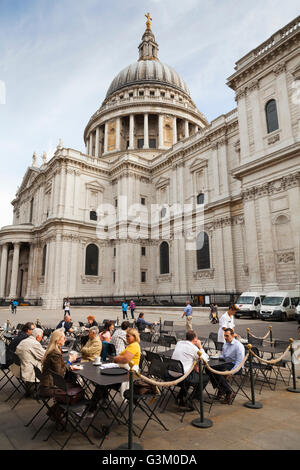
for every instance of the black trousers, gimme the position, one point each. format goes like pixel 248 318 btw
pixel 192 380
pixel 219 381
pixel 125 315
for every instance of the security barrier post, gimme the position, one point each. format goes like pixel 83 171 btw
pixel 252 403
pixel 202 422
pixel 294 387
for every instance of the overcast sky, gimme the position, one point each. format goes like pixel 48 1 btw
pixel 58 58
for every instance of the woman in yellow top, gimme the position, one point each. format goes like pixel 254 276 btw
pixel 132 352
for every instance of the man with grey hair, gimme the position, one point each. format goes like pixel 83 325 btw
pixel 93 347
pixel 31 354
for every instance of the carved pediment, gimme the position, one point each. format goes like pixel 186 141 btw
pixel 162 182
pixel 95 186
pixel 29 178
pixel 197 164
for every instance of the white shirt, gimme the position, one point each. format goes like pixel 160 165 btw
pixel 187 353
pixel 226 321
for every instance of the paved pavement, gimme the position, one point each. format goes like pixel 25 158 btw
pixel 275 426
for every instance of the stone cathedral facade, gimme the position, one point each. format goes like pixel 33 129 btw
pixel 149 144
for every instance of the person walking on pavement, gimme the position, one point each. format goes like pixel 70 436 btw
pixel 124 309
pixel 188 313
pixel 14 305
pixel 132 308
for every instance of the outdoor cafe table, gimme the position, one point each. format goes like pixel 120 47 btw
pixel 93 374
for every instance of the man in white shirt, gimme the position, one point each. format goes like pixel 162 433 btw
pixel 118 339
pixel 226 321
pixel 187 353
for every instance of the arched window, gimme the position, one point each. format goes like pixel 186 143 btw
pixel 271 116
pixel 283 233
pixel 164 258
pixel 44 260
pixel 200 198
pixel 203 258
pixel 91 260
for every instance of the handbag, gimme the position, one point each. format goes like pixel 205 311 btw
pixel 141 387
pixel 72 396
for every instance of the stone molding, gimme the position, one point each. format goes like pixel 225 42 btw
pixel 273 139
pixel 272 187
pixel 286 256
pixel 91 279
pixel 279 68
pixel 204 274
pixel 164 278
pixel 225 222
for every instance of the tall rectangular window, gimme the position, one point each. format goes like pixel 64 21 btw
pixel 143 250
pixel 31 211
pixel 143 276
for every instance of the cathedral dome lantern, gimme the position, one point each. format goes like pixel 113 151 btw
pixel 147 106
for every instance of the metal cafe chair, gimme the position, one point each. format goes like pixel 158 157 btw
pixel 149 402
pixel 71 413
pixel 21 384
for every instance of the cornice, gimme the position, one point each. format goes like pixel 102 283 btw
pixel 272 187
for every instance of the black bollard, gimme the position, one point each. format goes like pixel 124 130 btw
pixel 130 445
pixel 294 388
pixel 202 422
pixel 252 403
pixel 271 333
pixel 160 327
pixel 248 334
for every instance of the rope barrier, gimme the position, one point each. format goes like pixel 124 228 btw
pixel 166 384
pixel 270 361
pixel 258 337
pixel 228 372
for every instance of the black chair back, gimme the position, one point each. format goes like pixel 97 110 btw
pixel 38 373
pixel 146 336
pixel 81 324
pixel 168 323
pixel 280 345
pixel 111 350
pixel 150 356
pixel 157 369
pixel 213 337
pixel 173 365
pixel 171 339
pixel 16 359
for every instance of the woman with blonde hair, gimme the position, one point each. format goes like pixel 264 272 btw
pixel 132 352
pixel 53 361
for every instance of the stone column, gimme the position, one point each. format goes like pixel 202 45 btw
pixel 215 169
pixel 267 244
pixel 294 201
pixel 61 204
pixel 131 132
pixel 15 271
pixel 118 134
pixel 174 130
pixel 243 124
pixel 186 129
pixel 97 143
pixel 256 115
pixel 91 144
pixel 222 158
pixel 105 137
pixel 160 131
pixel 30 271
pixel 252 245
pixel 284 114
pixel 229 256
pixel 3 269
pixel 146 131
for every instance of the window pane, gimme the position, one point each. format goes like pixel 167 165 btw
pixel 140 143
pixel 203 258
pixel 271 116
pixel 91 260
pixel 164 258
pixel 93 215
pixel 200 198
pixel 44 260
pixel 152 143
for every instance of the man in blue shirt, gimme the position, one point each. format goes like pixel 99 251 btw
pixel 233 353
pixel 66 324
pixel 188 312
pixel 124 309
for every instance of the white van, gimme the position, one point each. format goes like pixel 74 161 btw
pixel 280 305
pixel 249 304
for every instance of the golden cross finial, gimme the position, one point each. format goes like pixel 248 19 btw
pixel 148 22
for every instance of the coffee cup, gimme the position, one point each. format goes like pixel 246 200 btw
pixel 97 361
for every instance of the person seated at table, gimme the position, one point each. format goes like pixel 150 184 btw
pixel 91 322
pixel 30 353
pixel 142 324
pixel 93 347
pixel 53 361
pixel 132 353
pixel 66 323
pixel 106 332
pixel 24 334
pixel 186 351
pixel 233 353
pixel 119 337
